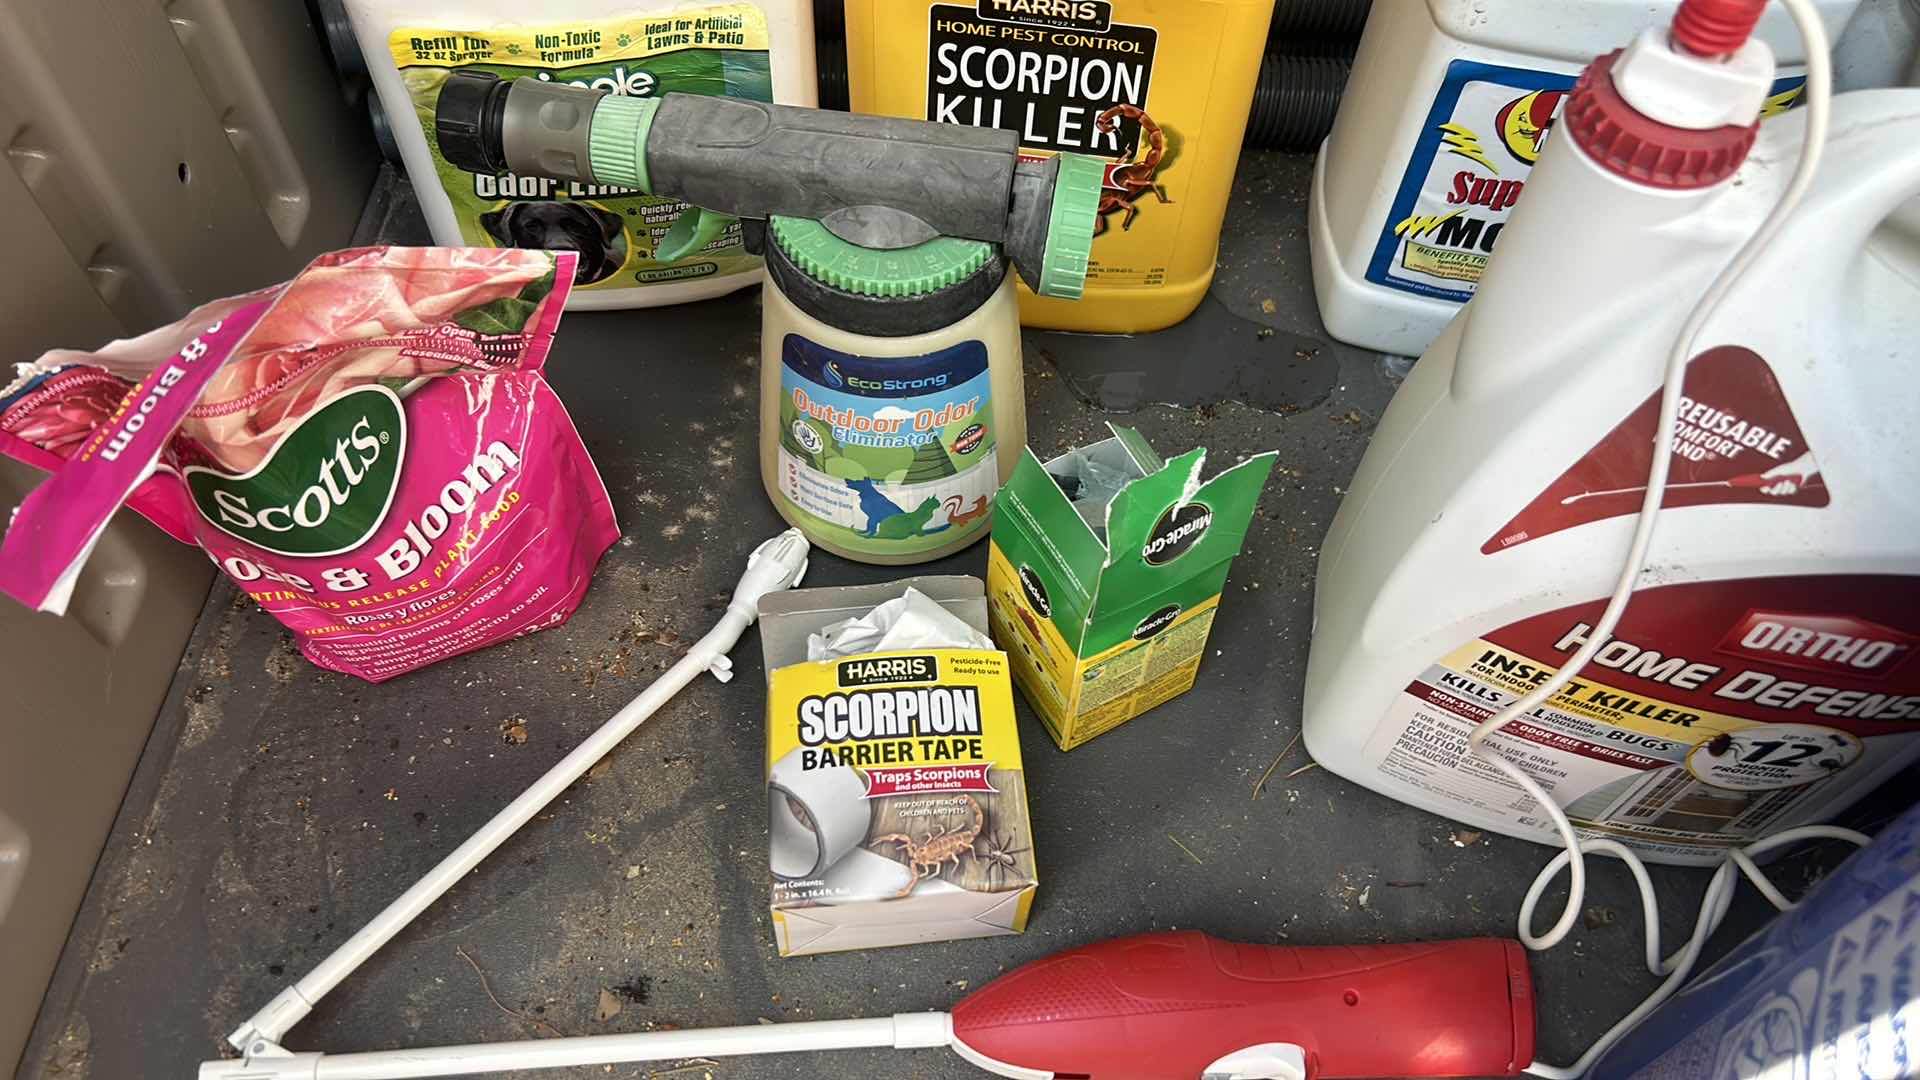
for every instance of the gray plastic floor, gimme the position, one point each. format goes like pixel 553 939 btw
pixel 280 806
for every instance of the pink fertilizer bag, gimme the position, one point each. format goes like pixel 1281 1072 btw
pixel 370 450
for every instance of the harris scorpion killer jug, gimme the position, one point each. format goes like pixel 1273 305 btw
pixel 1159 89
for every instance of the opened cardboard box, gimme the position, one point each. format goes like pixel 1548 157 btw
pixel 897 804
pixel 1105 570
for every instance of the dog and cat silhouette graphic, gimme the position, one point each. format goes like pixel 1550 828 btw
pixel 888 520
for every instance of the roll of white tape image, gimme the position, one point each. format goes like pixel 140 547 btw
pixel 816 816
pixel 817 819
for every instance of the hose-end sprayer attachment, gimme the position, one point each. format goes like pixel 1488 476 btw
pixel 466 121
pixel 883 183
pixel 487 124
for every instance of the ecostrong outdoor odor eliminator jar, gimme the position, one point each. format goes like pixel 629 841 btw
pixel 890 380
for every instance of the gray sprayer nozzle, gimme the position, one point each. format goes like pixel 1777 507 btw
pixel 880 182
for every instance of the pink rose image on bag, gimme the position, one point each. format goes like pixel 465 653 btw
pixel 370 450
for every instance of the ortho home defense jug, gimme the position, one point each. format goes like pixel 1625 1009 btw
pixel 1159 88
pixel 1447 109
pixel 1764 674
pixel 760 50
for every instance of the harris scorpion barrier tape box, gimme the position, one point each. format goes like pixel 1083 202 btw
pixel 897 804
pixel 1104 573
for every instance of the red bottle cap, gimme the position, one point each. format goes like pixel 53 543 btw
pixel 1715 27
pixel 1630 144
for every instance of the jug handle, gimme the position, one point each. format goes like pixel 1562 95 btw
pixel 1869 172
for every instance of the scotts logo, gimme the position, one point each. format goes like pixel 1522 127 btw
pixel 323 489
pixel 1094 15
pixel 1176 532
pixel 969 439
pixel 1829 643
pixel 1156 622
pixel 1036 592
pixel 1524 121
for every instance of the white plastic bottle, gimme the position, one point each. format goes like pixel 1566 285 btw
pixel 761 49
pixel 1447 109
pixel 1765 674
pixel 892 398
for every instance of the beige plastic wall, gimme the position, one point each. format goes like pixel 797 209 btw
pixel 157 155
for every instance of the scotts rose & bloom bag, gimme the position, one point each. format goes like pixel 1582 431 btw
pixel 370 450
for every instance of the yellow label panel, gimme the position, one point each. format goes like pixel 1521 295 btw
pixel 1078 699
pixel 1444 263
pixel 1518 674
pixel 1043 664
pixel 632 37
pixel 914 707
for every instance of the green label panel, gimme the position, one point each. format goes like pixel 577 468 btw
pixel 719 50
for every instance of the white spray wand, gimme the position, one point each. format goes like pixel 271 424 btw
pixel 1123 1009
pixel 775 565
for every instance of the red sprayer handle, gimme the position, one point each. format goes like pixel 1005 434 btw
pixel 1162 1006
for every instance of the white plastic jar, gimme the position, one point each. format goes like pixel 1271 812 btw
pixel 759 49
pixel 1444 115
pixel 892 403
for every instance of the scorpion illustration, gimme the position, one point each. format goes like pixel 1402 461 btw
pixel 1135 178
pixel 936 848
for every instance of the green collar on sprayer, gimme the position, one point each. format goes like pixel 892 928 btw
pixel 883 184
pixel 919 270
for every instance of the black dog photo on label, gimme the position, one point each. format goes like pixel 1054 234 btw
pixel 598 235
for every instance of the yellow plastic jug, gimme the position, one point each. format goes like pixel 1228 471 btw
pixel 1159 87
